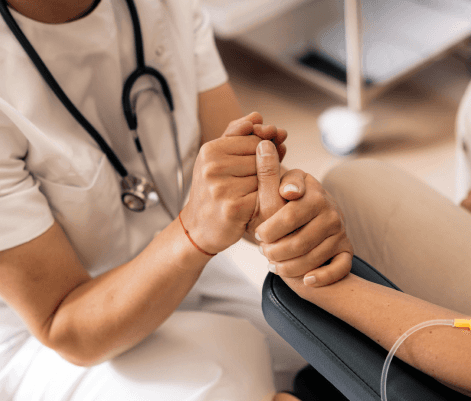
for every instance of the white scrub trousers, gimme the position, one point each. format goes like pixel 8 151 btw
pixel 216 347
pixel 193 356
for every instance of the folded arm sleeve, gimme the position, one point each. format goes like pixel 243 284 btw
pixel 24 210
pixel 209 67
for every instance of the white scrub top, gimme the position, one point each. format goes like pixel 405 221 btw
pixel 51 168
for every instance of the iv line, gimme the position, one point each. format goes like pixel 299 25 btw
pixel 437 322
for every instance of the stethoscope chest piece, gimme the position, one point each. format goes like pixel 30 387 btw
pixel 137 193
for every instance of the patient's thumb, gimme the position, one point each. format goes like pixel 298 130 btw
pixel 268 173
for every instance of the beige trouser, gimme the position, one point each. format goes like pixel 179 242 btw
pixel 413 235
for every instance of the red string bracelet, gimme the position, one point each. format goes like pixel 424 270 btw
pixel 193 242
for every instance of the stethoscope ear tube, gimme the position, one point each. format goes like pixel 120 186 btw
pixel 128 107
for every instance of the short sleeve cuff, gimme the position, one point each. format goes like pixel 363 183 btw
pixel 24 216
pixel 209 67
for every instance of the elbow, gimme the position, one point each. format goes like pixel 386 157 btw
pixel 78 357
pixel 79 360
pixel 72 348
pixel 75 354
pixel 83 353
pixel 88 360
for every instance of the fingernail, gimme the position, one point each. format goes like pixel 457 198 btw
pixel 272 268
pixel 257 237
pixel 290 188
pixel 261 250
pixel 309 280
pixel 265 148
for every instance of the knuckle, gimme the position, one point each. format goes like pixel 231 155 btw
pixel 256 116
pixel 287 270
pixel 345 268
pixel 228 210
pixel 300 245
pixel 206 151
pixel 298 173
pixel 317 199
pixel 216 191
pixel 346 245
pixel 247 124
pixel 289 217
pixel 209 169
pixel 205 171
pixel 268 253
pixel 263 231
pixel 281 270
pixel 243 126
pixel 326 277
pixel 271 253
pixel 335 221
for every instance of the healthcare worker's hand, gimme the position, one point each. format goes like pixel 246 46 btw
pixel 223 194
pixel 224 190
pixel 300 236
pixel 267 132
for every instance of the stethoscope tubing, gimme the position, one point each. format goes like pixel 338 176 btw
pixel 52 83
pixel 127 103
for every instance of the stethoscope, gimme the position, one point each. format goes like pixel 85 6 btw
pixel 137 193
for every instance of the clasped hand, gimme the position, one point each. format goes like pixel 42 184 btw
pixel 237 189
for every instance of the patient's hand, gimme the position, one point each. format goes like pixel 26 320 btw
pixel 300 236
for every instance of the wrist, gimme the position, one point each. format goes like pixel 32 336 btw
pixel 195 233
pixel 187 233
pixel 324 296
pixel 184 253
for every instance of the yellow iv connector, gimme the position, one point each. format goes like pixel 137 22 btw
pixel 466 323
pixel 462 323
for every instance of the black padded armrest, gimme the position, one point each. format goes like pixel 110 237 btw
pixel 351 361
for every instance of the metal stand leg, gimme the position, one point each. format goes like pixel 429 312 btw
pixel 343 128
pixel 353 42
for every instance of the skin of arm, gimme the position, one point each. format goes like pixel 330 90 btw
pixel 136 282
pixel 381 313
pixel 90 320
pixel 384 314
pixel 216 115
pixel 310 228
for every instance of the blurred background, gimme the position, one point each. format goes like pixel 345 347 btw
pixel 292 61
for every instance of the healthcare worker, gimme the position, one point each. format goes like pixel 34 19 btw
pixel 86 277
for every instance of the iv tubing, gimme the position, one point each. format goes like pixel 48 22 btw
pixel 387 363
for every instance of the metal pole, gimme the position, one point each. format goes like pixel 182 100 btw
pixel 353 44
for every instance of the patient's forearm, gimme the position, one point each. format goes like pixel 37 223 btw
pixel 384 314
